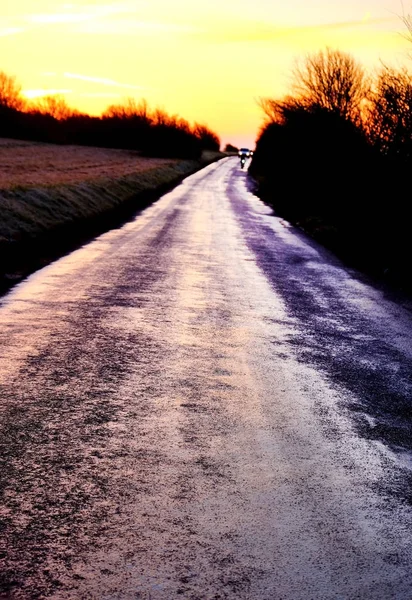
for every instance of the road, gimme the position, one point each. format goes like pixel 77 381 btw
pixel 204 404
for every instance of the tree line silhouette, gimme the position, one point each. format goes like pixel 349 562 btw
pixel 131 125
pixel 335 156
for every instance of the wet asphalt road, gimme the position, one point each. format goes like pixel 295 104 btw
pixel 204 404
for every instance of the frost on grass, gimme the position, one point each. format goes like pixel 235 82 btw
pixel 43 186
pixel 26 164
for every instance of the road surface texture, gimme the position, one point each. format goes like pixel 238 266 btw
pixel 204 404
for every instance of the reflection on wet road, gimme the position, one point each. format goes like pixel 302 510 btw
pixel 203 404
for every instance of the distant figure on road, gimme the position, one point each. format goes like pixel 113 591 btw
pixel 244 153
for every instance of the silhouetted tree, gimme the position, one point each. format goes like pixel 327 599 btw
pixel 331 153
pixel 313 161
pixel 54 106
pixel 129 125
pixel 331 80
pixel 207 138
pixel 10 93
pixel 128 109
pixel 389 120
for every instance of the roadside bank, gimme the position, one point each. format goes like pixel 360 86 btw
pixel 41 223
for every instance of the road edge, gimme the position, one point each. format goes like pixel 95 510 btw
pixel 22 257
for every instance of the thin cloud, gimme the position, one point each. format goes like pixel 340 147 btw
pixel 367 20
pixel 58 18
pixel 262 32
pixel 88 12
pixel 11 31
pixel 117 18
pixel 132 26
pixel 100 95
pixel 102 81
pixel 43 92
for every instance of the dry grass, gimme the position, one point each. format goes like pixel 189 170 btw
pixel 27 164
pixel 53 198
pixel 44 187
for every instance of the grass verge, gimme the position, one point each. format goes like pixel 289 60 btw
pixel 41 223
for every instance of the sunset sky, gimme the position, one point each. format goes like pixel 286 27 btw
pixel 207 61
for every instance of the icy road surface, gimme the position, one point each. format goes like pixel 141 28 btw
pixel 204 404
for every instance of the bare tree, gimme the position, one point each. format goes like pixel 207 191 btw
pixel 277 111
pixel 10 92
pixel 389 121
pixel 129 108
pixel 162 118
pixel 55 106
pixel 332 80
pixel 207 137
pixel 406 19
pixel 271 109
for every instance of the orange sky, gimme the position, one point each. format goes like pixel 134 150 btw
pixel 208 61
